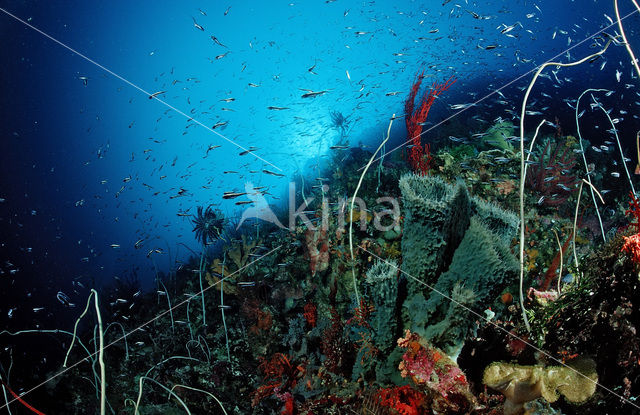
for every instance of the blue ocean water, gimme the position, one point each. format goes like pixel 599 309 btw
pixel 98 178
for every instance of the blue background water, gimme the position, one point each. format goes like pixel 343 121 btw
pixel 67 147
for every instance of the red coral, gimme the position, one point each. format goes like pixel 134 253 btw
pixel 361 314
pixel 288 406
pixel 551 176
pixel 318 249
pixel 280 376
pixel 263 320
pixel 419 156
pixel 632 246
pixel 335 345
pixel 403 399
pixel 310 314
pixel 634 211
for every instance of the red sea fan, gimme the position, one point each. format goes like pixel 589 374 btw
pixel 419 156
pixel 634 211
pixel 551 176
pixel 336 346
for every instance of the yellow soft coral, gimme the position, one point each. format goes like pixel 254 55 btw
pixel 521 384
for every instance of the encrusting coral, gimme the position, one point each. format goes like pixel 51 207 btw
pixel 436 374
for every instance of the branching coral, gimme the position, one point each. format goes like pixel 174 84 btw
pixel 280 376
pixel 632 243
pixel 634 212
pixel 632 246
pixel 310 314
pixel 419 156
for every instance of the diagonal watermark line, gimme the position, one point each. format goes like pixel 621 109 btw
pixel 149 94
pixel 500 328
pixel 191 297
pixel 499 89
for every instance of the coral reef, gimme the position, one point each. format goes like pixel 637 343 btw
pixel 288 336
pixel 599 319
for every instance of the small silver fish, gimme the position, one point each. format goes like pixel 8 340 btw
pixel 64 299
pixel 155 94
pixel 197 26
pixel 564 187
pixel 272 173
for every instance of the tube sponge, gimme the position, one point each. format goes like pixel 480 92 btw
pixel 382 281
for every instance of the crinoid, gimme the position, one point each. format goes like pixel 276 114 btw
pixel 339 122
pixel 208 224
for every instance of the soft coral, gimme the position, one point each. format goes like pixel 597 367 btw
pixel 403 399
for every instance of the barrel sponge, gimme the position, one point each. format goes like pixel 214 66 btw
pixel 502 223
pixel 436 215
pixel 449 333
pixel 483 265
pixel 382 284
